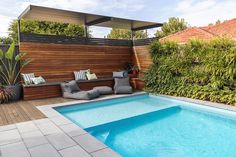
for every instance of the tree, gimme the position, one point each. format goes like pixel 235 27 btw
pixel 44 27
pixel 216 23
pixel 5 40
pixel 125 34
pixel 172 26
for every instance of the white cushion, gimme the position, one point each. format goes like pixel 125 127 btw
pixel 28 78
pixel 81 75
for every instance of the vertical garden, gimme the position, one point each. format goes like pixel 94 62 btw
pixel 203 70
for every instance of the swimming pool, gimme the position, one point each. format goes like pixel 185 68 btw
pixel 154 126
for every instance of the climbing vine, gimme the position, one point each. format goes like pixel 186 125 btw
pixel 203 70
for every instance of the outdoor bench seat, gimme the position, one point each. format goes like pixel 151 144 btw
pixel 53 89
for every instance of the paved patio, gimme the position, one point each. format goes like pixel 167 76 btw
pixel 54 136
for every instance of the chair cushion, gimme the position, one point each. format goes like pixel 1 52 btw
pixel 81 75
pixel 82 95
pixel 28 78
pixel 121 82
pixel 38 80
pixel 103 90
pixel 123 90
pixel 91 76
pixel 70 87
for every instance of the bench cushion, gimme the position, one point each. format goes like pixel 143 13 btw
pixel 70 87
pixel 123 90
pixel 82 95
pixel 103 90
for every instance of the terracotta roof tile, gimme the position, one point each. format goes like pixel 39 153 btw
pixel 227 29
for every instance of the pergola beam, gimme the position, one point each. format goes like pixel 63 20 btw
pixel 147 27
pixel 97 21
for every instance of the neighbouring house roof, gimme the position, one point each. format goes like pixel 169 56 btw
pixel 226 29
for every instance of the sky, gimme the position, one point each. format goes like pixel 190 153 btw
pixel 195 12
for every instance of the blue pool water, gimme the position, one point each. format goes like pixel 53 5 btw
pixel 151 126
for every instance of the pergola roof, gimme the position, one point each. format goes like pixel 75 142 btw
pixel 66 16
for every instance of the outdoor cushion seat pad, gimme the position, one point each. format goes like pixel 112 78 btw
pixel 123 90
pixel 70 87
pixel 122 86
pixel 103 90
pixel 82 95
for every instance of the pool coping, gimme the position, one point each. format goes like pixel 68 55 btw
pixel 59 120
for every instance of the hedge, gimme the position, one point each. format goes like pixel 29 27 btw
pixel 203 70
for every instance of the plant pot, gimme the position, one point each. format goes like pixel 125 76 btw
pixel 16 89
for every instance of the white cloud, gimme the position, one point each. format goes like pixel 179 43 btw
pixel 5 21
pixel 203 12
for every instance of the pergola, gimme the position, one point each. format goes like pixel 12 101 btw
pixel 65 16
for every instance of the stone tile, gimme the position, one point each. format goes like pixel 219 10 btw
pixel 33 138
pixel 14 150
pixel 7 127
pixel 49 128
pixel 89 143
pixel 41 121
pixel 26 127
pixel 107 152
pixel 45 150
pixel 60 141
pixel 9 136
pixel 50 113
pixel 72 130
pixel 74 151
pixel 60 120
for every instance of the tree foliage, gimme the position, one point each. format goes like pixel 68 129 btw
pixel 216 23
pixel 125 34
pixel 198 69
pixel 44 27
pixel 172 26
pixel 5 40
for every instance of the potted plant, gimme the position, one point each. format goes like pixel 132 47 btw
pixel 10 72
pixel 135 70
pixel 132 69
pixel 5 94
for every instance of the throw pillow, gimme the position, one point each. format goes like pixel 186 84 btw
pixel 91 76
pixel 28 78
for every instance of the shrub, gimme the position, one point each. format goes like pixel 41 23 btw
pixel 198 69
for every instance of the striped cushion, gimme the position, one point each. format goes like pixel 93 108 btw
pixel 28 78
pixel 81 75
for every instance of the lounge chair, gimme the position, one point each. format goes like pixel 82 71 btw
pixel 122 86
pixel 72 91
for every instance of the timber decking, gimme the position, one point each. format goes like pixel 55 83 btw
pixel 25 110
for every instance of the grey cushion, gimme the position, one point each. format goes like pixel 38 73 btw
pixel 125 73
pixel 121 82
pixel 122 86
pixel 70 87
pixel 103 90
pixel 119 74
pixel 123 90
pixel 82 95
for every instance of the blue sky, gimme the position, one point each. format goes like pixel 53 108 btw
pixel 195 12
